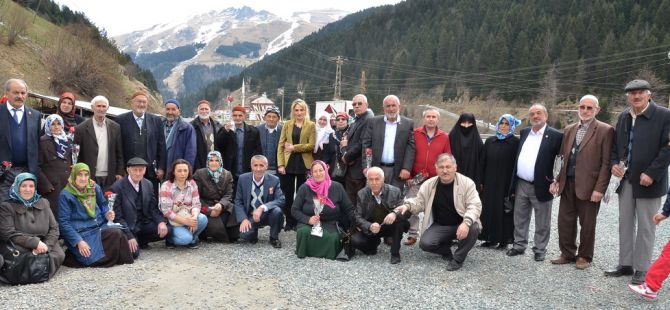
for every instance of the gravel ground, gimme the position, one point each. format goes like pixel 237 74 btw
pixel 244 276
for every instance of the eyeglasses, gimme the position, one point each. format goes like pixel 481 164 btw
pixel 585 107
pixel 357 103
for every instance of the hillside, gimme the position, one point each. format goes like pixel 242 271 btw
pixel 215 44
pixel 57 50
pixel 457 50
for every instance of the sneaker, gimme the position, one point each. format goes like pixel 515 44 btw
pixel 194 245
pixel 644 291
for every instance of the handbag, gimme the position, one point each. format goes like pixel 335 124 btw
pixel 24 267
pixel 347 251
pixel 508 205
pixel 340 170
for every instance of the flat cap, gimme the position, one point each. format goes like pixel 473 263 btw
pixel 136 161
pixel 637 84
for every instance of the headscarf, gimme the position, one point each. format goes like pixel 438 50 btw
pixel 466 146
pixel 513 122
pixel 61 139
pixel 14 194
pixel 215 174
pixel 69 118
pixel 320 189
pixel 322 133
pixel 87 196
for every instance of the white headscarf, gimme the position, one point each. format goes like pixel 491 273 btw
pixel 322 133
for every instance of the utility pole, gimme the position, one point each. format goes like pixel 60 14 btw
pixel 362 87
pixel 339 60
pixel 280 91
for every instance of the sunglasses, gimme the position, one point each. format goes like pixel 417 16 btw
pixel 585 107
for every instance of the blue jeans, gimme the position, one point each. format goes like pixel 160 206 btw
pixel 181 235
pixel 274 218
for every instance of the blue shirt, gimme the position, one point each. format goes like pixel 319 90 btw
pixel 388 156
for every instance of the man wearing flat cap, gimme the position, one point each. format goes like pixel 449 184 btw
pixel 179 135
pixel 641 145
pixel 136 207
pixel 269 133
pixel 238 144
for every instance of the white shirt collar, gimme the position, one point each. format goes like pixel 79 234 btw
pixel 10 108
pixel 136 186
pixel 254 179
pixel 397 120
pixel 539 132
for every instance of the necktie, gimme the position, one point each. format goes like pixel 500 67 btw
pixel 16 115
pixel 257 196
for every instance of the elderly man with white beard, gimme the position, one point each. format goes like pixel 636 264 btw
pixel 205 128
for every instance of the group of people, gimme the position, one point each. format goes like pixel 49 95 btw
pixel 111 188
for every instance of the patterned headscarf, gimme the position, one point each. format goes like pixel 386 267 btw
pixel 321 188
pixel 14 194
pixel 513 122
pixel 215 174
pixel 86 196
pixel 61 139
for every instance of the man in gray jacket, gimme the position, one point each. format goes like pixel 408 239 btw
pixel 451 207
pixel 375 217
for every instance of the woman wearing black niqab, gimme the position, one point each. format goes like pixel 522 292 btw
pixel 466 146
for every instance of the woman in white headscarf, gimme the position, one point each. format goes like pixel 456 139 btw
pixel 322 149
pixel 54 159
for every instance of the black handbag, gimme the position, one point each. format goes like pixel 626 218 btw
pixel 340 169
pixel 24 267
pixel 508 204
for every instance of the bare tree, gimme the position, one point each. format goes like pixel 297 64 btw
pixel 15 21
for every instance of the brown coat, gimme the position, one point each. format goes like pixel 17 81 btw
pixel 54 171
pixel 211 193
pixel 26 227
pixel 84 135
pixel 592 170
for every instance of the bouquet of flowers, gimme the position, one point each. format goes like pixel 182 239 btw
pixel 111 198
pixel 6 165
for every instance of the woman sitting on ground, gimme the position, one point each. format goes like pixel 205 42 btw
pixel 180 203
pixel 26 220
pixel 83 217
pixel 215 186
pixel 336 207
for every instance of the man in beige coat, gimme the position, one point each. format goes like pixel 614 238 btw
pixel 451 207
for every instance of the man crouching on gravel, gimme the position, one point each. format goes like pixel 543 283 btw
pixel 451 207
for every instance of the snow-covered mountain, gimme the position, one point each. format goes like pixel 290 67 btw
pixel 233 36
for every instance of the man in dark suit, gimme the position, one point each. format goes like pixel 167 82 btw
pixel 390 138
pixel 352 147
pixel 100 144
pixel 582 182
pixel 19 136
pixel 142 135
pixel 258 202
pixel 269 133
pixel 136 207
pixel 238 144
pixel 205 130
pixel 533 173
pixel 641 143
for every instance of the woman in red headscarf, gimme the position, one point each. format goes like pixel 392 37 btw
pixel 336 212
pixel 67 110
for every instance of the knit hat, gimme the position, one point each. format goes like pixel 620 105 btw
pixel 175 101
pixel 272 110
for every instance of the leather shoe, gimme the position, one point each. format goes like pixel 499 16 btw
pixel 619 271
pixel 388 241
pixel 562 260
pixel 395 259
pixel 582 263
pixel 276 243
pixel 638 277
pixel 539 257
pixel 488 244
pixel 410 241
pixel 453 265
pixel 514 252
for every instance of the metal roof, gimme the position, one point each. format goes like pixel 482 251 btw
pixel 84 105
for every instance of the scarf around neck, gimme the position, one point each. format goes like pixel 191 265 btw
pixel 60 140
pixel 320 189
pixel 87 196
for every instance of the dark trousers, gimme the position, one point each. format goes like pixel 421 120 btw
pixel 273 217
pixel 7 179
pixel 352 186
pixel 146 232
pixel 368 243
pixel 288 186
pixel 570 210
pixel 438 239
pixel 216 228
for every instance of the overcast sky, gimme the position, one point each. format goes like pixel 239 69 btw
pixel 123 16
